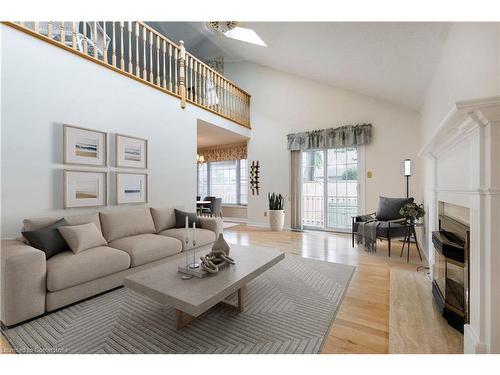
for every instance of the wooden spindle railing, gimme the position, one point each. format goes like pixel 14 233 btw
pixel 138 51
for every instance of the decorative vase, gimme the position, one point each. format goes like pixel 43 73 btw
pixel 221 244
pixel 276 220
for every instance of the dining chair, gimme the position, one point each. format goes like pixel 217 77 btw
pixel 214 208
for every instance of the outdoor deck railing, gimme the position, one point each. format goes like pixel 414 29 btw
pixel 136 50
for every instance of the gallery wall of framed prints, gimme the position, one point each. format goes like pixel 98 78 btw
pixel 84 146
pixel 131 187
pixel 131 152
pixel 89 188
pixel 84 188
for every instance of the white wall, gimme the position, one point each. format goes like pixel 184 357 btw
pixel 469 68
pixel 43 87
pixel 283 104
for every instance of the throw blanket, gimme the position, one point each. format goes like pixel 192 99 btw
pixel 367 234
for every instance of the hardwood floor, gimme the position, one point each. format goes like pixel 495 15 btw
pixel 362 323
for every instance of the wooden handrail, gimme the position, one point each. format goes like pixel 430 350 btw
pixel 136 50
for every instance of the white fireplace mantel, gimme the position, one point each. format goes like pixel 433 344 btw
pixel 464 161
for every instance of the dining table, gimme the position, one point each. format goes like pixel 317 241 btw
pixel 201 204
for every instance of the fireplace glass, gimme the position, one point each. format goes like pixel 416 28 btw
pixel 450 271
pixel 440 273
pixel 455 287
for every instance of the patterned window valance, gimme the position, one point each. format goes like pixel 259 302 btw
pixel 221 153
pixel 344 136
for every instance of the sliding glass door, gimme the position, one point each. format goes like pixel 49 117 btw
pixel 330 188
pixel 313 189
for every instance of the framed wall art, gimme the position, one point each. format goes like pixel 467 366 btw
pixel 131 152
pixel 131 188
pixel 84 189
pixel 84 146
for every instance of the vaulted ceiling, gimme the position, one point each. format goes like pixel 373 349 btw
pixel 388 60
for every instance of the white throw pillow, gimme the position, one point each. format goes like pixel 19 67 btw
pixel 82 237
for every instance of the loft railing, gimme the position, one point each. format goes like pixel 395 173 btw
pixel 134 49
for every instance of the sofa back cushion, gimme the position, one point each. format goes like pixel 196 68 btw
pixel 120 224
pixel 42 222
pixel 388 208
pixel 85 219
pixel 164 217
pixel 36 223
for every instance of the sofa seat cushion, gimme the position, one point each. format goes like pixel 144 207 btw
pixel 397 230
pixel 203 236
pixel 146 248
pixel 67 269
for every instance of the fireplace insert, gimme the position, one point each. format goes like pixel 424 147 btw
pixel 450 285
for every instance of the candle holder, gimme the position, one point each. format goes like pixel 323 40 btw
pixel 195 264
pixel 186 276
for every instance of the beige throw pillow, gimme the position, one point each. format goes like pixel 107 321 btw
pixel 82 237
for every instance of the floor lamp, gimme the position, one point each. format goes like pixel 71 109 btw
pixel 407 174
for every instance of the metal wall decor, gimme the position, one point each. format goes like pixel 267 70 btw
pixel 254 177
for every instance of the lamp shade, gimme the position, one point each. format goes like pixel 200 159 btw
pixel 407 167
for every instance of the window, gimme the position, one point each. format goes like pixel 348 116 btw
pixel 224 179
pixel 329 188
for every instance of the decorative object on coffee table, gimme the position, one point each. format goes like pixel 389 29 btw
pixel 186 275
pixel 194 265
pixel 218 258
pixel 276 212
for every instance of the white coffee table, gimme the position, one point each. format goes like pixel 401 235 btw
pixel 193 297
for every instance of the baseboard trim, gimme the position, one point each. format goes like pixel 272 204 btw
pixel 264 225
pixel 472 345
pixel 235 220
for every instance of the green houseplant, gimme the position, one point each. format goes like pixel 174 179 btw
pixel 276 212
pixel 412 211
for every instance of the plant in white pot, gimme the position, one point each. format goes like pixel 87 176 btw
pixel 276 212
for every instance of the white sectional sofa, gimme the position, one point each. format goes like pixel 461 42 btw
pixel 137 239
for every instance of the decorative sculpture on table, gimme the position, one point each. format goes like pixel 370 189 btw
pixel 218 258
pixel 254 177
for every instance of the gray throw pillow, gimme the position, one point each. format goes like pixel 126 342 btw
pixel 48 239
pixel 180 219
pixel 388 208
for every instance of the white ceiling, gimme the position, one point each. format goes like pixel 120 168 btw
pixel 389 60
pixel 212 135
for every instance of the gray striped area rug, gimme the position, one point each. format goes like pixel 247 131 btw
pixel 288 309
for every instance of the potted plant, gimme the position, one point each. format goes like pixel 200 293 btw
pixel 276 212
pixel 412 212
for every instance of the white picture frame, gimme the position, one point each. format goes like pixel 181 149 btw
pixel 131 188
pixel 83 146
pixel 84 188
pixel 131 152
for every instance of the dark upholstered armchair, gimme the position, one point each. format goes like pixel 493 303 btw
pixel 390 222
